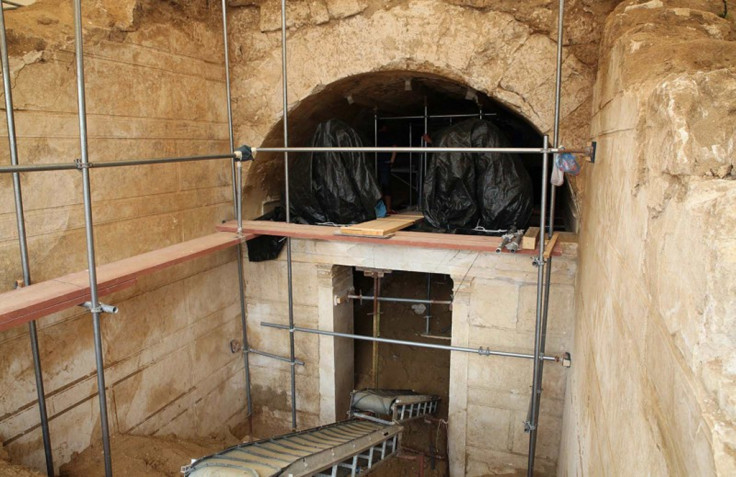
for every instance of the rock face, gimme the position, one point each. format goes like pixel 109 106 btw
pixel 503 49
pixel 155 87
pixel 656 291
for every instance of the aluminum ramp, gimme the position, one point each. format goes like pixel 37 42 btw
pixel 345 448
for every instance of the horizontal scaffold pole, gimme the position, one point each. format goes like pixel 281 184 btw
pixel 68 166
pixel 473 150
pixel 481 351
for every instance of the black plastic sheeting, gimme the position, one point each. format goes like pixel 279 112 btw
pixel 333 186
pixel 267 247
pixel 463 190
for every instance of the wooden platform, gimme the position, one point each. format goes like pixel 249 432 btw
pixel 43 298
pixel 476 243
pixel 383 227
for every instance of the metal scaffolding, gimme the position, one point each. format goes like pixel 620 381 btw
pixel 83 164
pixel 543 264
pixel 96 308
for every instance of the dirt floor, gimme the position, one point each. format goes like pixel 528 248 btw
pixel 11 470
pixel 405 367
pixel 140 456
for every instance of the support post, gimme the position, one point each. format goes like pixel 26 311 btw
pixel 548 276
pixel 375 140
pixel 289 275
pixel 23 245
pixel 376 325
pixel 237 181
pixel 95 308
pixel 532 422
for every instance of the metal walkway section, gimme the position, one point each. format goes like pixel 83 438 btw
pixel 400 405
pixel 345 448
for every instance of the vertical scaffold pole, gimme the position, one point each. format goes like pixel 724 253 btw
pixel 95 308
pixel 289 277
pixel 538 356
pixel 550 230
pixel 237 171
pixel 23 244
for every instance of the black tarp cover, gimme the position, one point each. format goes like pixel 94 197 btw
pixel 333 187
pixel 462 190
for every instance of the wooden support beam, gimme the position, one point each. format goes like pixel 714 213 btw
pixel 530 238
pixel 43 298
pixel 475 243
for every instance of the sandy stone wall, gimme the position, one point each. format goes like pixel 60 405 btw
pixel 494 306
pixel 504 49
pixel 652 391
pixel 155 87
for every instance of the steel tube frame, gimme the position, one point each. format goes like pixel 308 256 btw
pixel 401 300
pixel 88 225
pixel 289 278
pixel 539 374
pixel 428 315
pixel 481 351
pixel 23 245
pixel 273 356
pixel 376 326
pixel 72 166
pixel 429 150
pixel 237 181
pixel 540 262
pixel 436 116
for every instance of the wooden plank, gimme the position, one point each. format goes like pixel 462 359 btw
pixel 43 298
pixel 476 243
pixel 530 238
pixel 551 245
pixel 381 227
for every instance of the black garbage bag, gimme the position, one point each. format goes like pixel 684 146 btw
pixel 462 190
pixel 333 186
pixel 267 247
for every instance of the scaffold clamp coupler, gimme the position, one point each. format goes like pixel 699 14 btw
pixel 100 308
pixel 81 165
pixel 243 153
pixel 537 262
pixel 566 361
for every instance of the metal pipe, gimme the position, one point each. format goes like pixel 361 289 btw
pixel 70 166
pixel 375 139
pixel 237 180
pixel 376 325
pixel 411 163
pixel 548 277
pixel 472 150
pixel 94 301
pixel 428 316
pixel 290 287
pixel 401 300
pixel 273 356
pixel 538 360
pixel 436 116
pixel 423 164
pixel 481 351
pixel 23 245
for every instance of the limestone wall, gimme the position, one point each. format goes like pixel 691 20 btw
pixel 494 306
pixel 155 87
pixel 652 389
pixel 504 49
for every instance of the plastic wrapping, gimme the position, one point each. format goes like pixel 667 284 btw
pixel 333 187
pixel 462 190
pixel 267 247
